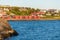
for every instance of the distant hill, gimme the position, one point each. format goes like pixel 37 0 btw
pixel 18 10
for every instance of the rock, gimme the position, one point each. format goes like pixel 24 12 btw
pixel 6 30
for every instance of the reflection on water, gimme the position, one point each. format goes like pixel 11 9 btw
pixel 36 30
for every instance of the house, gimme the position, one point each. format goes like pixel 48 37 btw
pixel 34 14
pixel 40 13
pixel 51 10
pixel 6 9
pixel 48 14
pixel 2 13
pixel 43 10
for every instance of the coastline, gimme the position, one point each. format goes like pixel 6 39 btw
pixel 30 18
pixel 34 19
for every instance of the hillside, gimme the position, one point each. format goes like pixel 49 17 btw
pixel 28 11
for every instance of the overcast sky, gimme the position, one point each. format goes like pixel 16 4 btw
pixel 45 4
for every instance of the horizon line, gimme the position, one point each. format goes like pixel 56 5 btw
pixel 27 7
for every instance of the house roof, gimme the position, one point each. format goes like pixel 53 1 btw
pixel 40 12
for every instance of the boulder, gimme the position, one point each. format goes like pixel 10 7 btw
pixel 6 30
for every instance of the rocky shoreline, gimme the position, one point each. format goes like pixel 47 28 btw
pixel 6 30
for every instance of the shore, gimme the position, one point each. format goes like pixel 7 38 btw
pixel 36 19
pixel 30 18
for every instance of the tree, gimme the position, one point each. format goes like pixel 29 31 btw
pixel 37 10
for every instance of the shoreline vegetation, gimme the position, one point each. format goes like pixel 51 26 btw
pixel 27 13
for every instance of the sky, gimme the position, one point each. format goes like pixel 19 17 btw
pixel 41 4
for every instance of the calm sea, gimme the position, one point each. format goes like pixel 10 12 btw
pixel 36 30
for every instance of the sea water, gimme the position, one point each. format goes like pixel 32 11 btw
pixel 36 30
